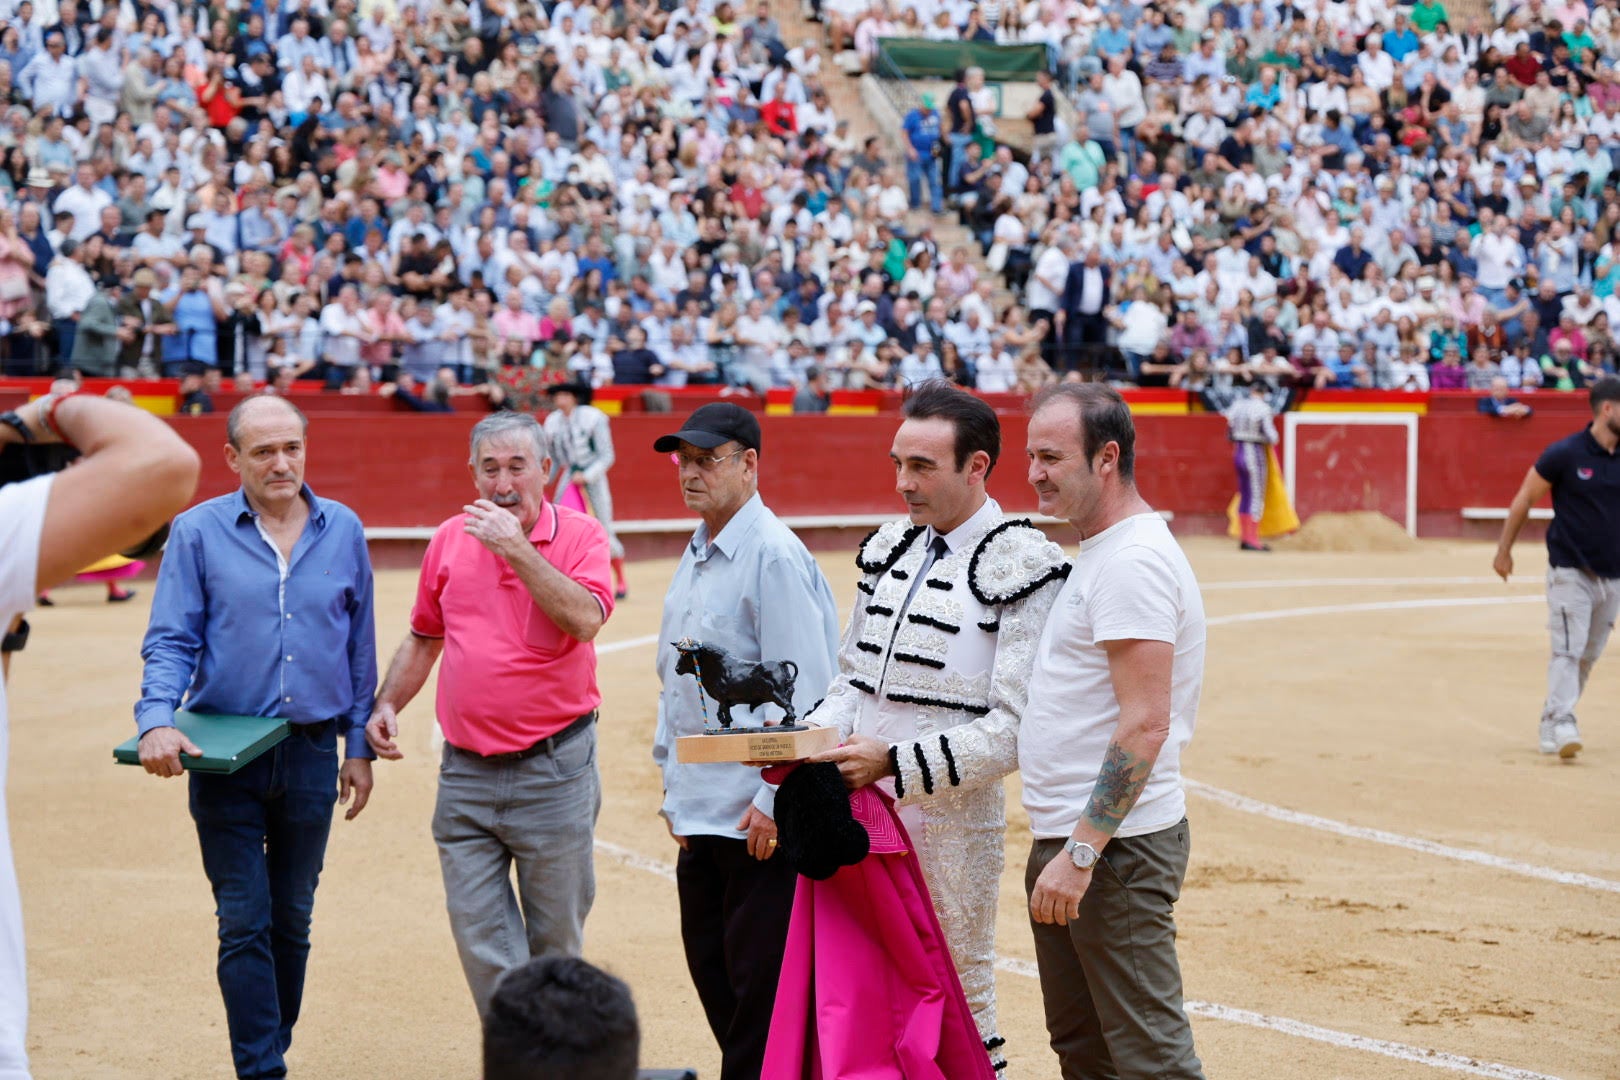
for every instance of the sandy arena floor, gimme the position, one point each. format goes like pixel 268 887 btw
pixel 1382 691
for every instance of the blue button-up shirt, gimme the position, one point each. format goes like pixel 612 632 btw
pixel 232 634
pixel 757 593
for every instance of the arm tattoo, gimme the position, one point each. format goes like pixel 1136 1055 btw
pixel 1119 784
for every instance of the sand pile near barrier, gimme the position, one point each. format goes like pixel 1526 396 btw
pixel 1364 530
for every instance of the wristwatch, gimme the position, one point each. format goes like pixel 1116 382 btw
pixel 14 641
pixel 17 424
pixel 1084 856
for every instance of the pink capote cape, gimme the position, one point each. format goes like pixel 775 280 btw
pixel 868 990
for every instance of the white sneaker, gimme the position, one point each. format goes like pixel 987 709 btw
pixel 1549 737
pixel 1568 738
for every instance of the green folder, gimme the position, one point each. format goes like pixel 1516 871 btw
pixel 227 742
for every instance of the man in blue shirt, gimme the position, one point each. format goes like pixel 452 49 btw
pixel 922 154
pixel 1582 473
pixel 264 608
pixel 1400 41
pixel 747 585
pixel 1112 38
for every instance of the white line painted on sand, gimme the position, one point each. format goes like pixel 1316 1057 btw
pixel 1283 613
pixel 1330 582
pixel 1247 805
pixel 636 860
pixel 1411 843
pixel 1374 605
pixel 627 643
pixel 1026 968
pixel 1437 1059
pixel 1210 1011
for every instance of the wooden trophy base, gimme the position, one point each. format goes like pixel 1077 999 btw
pixel 759 744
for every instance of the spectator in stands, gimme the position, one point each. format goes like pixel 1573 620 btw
pixel 923 155
pixel 1449 373
pixel 1501 403
pixel 635 364
pixel 95 339
pixel 68 291
pixel 1081 316
pixel 813 396
pixel 1328 162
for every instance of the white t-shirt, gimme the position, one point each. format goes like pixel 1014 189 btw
pixel 22 516
pixel 1046 283
pixel 1131 581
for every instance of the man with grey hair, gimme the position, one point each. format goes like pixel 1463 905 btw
pixel 512 592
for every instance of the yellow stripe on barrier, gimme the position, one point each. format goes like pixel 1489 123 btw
pixel 1158 408
pixel 156 404
pixel 1417 408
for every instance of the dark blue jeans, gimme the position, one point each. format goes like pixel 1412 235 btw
pixel 263 832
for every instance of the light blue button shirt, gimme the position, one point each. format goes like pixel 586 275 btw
pixel 756 592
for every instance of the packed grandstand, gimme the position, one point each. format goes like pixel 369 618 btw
pixel 1318 194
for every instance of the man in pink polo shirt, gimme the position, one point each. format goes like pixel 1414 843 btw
pixel 512 592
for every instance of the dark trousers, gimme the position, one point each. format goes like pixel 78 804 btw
pixel 1110 980
pixel 1084 339
pixel 67 330
pixel 263 832
pixel 734 922
pixel 1051 342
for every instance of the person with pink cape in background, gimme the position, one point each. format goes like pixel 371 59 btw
pixel 868 989
pixel 581 455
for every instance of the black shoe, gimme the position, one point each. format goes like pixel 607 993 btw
pixel 119 598
pixel 1254 547
pixel 621 594
pixel 45 601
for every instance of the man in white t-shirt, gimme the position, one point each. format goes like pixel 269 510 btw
pixel 135 473
pixel 1112 702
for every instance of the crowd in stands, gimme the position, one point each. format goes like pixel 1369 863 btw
pixel 440 195
pixel 1311 193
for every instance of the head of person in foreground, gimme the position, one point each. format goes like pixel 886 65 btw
pixel 559 1016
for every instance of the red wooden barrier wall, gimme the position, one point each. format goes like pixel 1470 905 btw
pixel 411 470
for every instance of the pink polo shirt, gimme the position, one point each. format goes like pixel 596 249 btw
pixel 509 676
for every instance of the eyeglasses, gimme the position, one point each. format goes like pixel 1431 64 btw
pixel 704 462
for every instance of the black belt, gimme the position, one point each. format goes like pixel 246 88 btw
pixel 317 727
pixel 545 745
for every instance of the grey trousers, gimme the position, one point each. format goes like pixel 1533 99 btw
pixel 1110 980
pixel 538 815
pixel 1581 612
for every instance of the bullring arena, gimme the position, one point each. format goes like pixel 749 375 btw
pixel 1387 879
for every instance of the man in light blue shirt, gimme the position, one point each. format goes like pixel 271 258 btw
pixel 747 585
pixel 295 45
pixel 263 607
pixel 51 78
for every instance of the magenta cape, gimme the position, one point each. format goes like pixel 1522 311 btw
pixel 868 990
pixel 573 497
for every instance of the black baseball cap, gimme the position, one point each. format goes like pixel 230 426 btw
pixel 714 425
